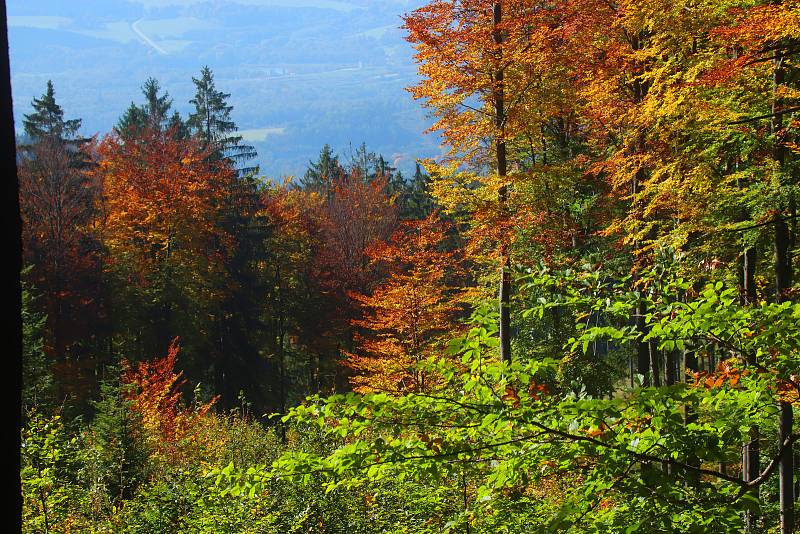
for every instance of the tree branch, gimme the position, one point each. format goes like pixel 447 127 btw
pixel 767 116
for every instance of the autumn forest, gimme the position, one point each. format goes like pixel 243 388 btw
pixel 583 317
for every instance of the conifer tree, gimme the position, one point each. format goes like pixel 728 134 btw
pixel 415 200
pixel 322 174
pixel 133 118
pixel 212 124
pixel 153 114
pixel 37 378
pixel 156 106
pixel 47 120
pixel 115 435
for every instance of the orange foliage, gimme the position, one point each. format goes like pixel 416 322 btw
pixel 319 243
pixel 408 316
pixel 160 207
pixel 758 27
pixel 351 218
pixel 535 69
pixel 458 60
pixel 726 373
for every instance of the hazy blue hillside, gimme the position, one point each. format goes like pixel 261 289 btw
pixel 301 72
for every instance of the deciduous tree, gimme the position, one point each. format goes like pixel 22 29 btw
pixel 408 317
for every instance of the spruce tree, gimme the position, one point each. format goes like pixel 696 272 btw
pixel 238 342
pixel 37 378
pixel 320 174
pixel 156 107
pixel 47 120
pixel 121 457
pixel 154 113
pixel 131 122
pixel 211 123
pixel 415 200
pixel 178 127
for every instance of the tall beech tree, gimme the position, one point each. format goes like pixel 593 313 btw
pixel 764 37
pixel 358 214
pixel 406 318
pixel 159 225
pixel 468 54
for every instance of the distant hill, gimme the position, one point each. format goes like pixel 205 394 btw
pixel 301 72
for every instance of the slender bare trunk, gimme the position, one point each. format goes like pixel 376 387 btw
pixel 502 171
pixel 751 453
pixel 783 282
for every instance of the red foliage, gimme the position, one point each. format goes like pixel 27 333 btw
pixel 173 431
pixel 57 204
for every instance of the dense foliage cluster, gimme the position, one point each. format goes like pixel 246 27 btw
pixel 585 319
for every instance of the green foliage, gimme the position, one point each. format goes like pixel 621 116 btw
pixel 119 458
pixel 38 390
pixel 54 496
pixel 323 173
pixel 153 115
pixel 415 200
pixel 610 462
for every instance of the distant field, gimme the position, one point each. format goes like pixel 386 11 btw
pixel 43 21
pixel 318 4
pixel 260 134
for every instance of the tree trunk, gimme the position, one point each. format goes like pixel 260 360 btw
pixel 786 488
pixel 749 276
pixel 783 282
pixel 783 264
pixel 751 453
pixel 655 363
pixel 642 347
pixel 281 356
pixel 671 372
pixel 502 171
pixel 690 411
